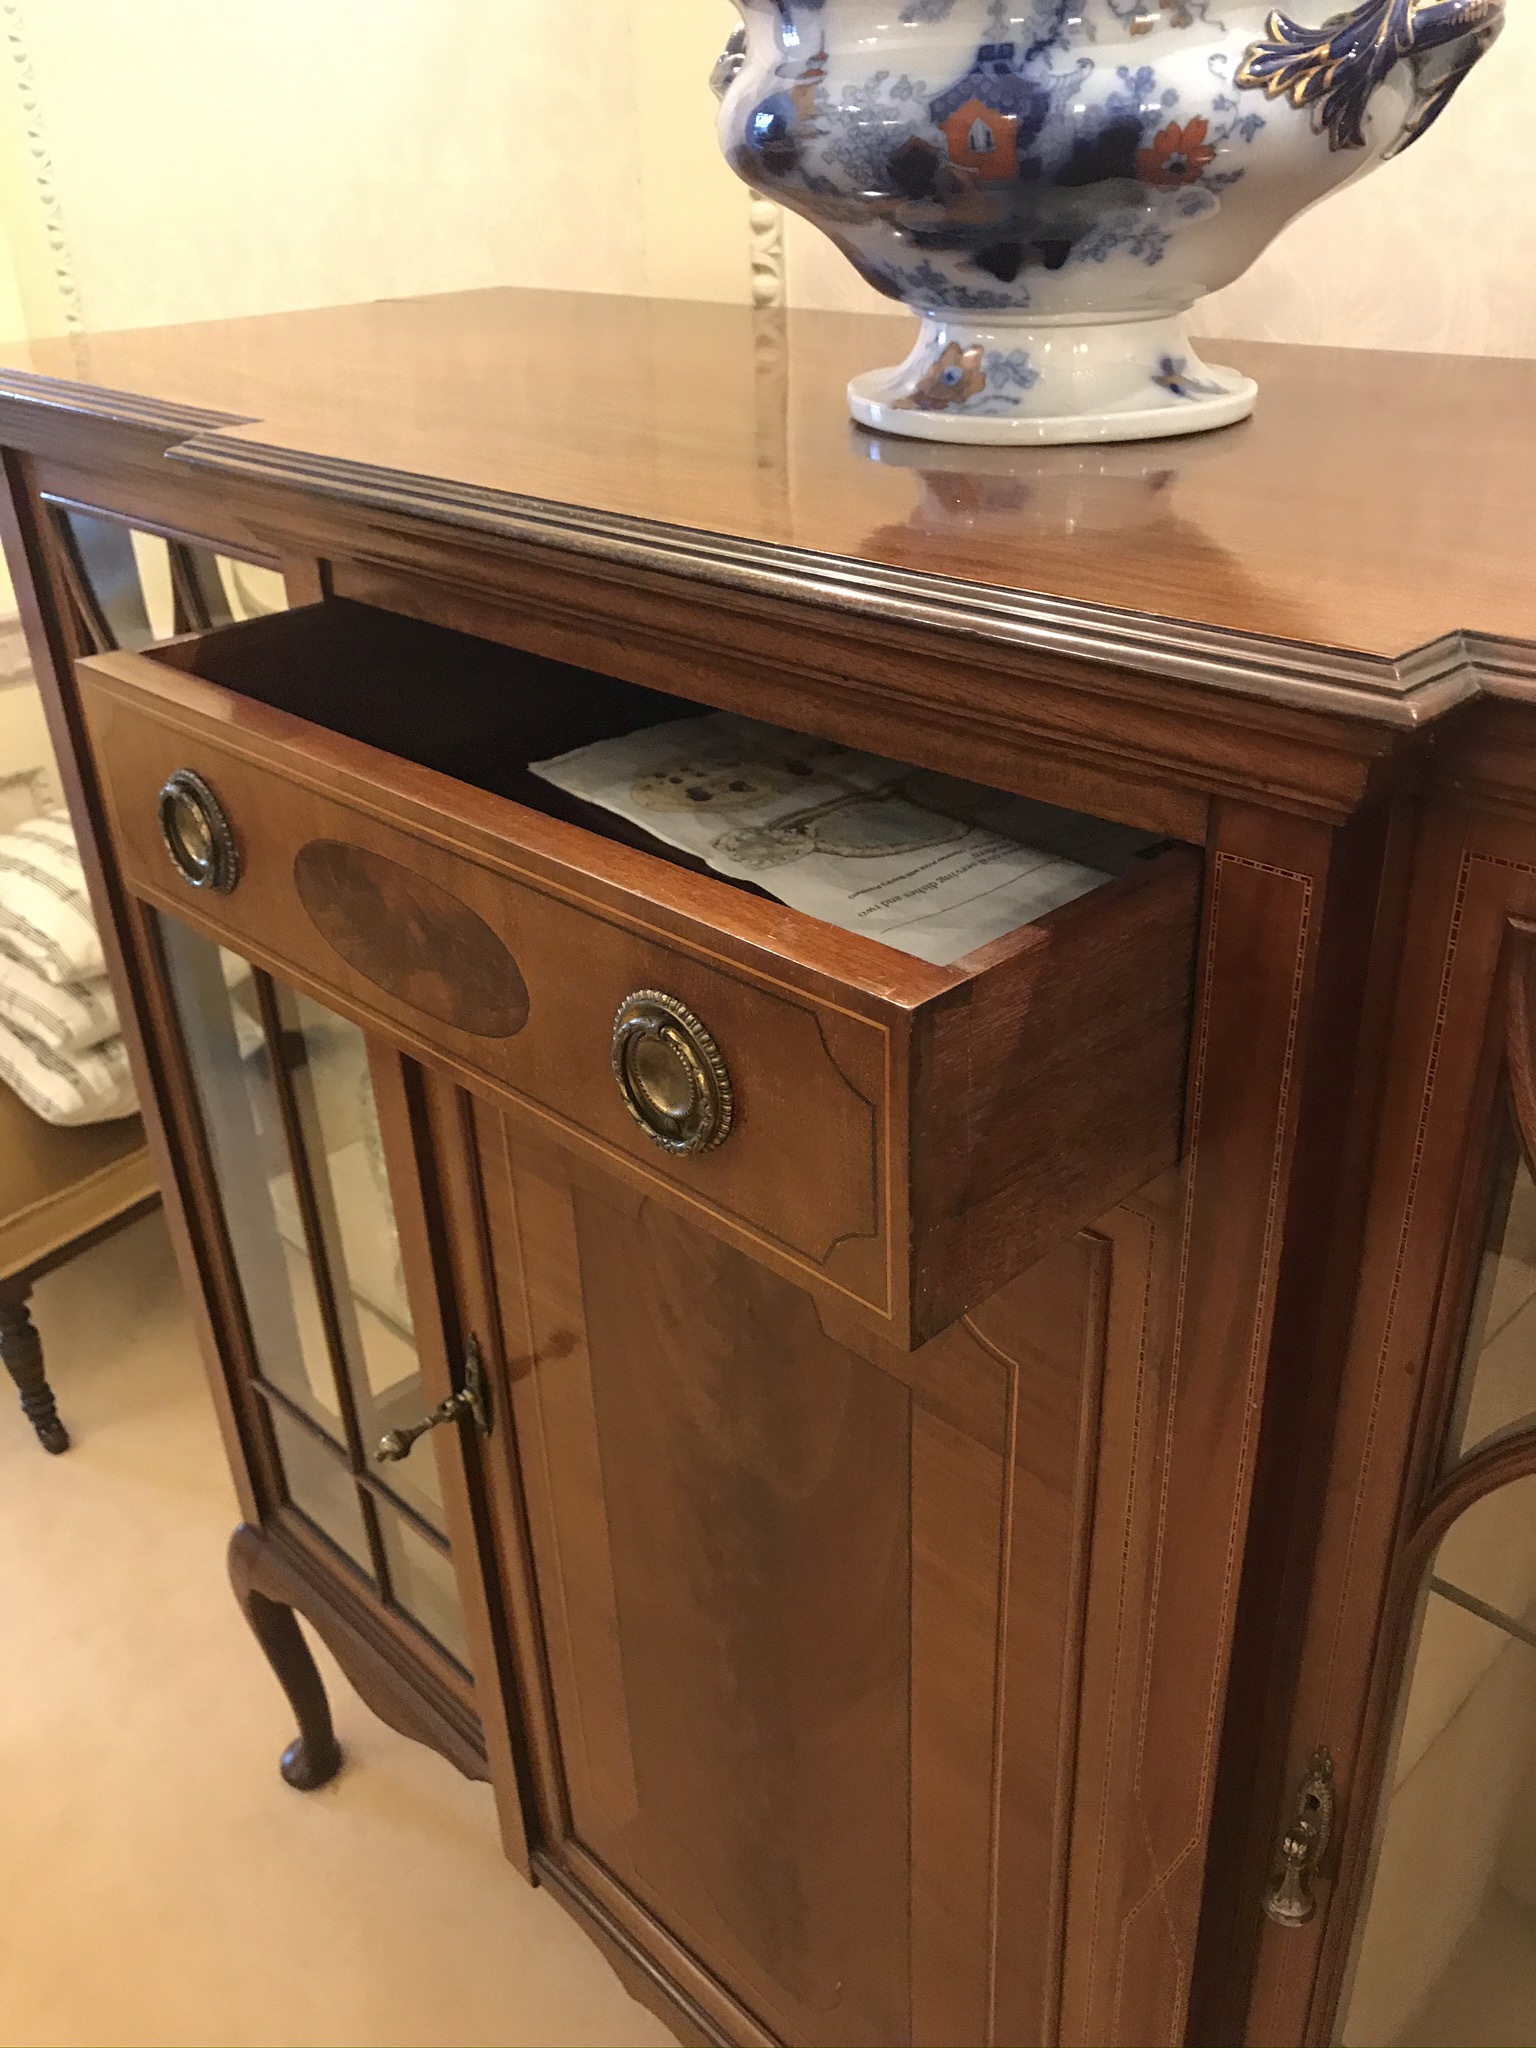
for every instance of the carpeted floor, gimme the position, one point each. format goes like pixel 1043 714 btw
pixel 158 1881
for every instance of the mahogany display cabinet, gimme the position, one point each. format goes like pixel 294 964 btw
pixel 985 1503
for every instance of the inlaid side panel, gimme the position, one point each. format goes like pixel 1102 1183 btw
pixel 1106 1843
pixel 1260 934
pixel 1004 1426
pixel 1409 1458
pixel 563 1485
pixel 1058 1311
pixel 1263 1139
pixel 959 1516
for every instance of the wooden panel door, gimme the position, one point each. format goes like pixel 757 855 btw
pixel 801 1644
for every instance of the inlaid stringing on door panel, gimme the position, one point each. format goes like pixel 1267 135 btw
pixel 563 1486
pixel 723 1544
pixel 813 1607
pixel 1003 1442
pixel 1144 1237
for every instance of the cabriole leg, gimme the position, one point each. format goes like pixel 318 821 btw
pixel 22 1350
pixel 313 1758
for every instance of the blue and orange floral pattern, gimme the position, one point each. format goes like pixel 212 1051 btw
pixel 1051 185
pixel 977 381
pixel 1033 158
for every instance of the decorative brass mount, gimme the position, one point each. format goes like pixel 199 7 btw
pixel 473 1399
pixel 197 835
pixel 671 1073
pixel 1290 1901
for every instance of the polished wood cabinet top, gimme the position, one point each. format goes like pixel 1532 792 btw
pixel 1378 505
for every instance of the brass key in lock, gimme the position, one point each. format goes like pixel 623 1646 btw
pixel 472 1399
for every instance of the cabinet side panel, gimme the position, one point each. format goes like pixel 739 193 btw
pixel 562 1479
pixel 1256 1023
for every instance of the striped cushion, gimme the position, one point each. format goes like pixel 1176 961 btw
pixel 67 1016
pixel 45 914
pixel 89 1087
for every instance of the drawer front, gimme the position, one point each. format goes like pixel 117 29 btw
pixel 900 1138
pixel 484 965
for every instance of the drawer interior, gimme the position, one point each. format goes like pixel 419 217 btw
pixel 481 712
pixel 447 701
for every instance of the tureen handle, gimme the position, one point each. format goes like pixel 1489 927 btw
pixel 728 63
pixel 1336 69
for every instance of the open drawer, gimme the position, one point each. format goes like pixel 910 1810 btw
pixel 898 1137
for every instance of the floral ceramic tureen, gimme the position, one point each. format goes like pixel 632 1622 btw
pixel 1052 184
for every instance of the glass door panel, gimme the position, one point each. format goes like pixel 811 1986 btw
pixel 422 1580
pixel 1448 1951
pixel 328 1075
pixel 220 1015
pixel 1497 1387
pixel 319 1481
pixel 107 576
pixel 290 1119
pixel 132 588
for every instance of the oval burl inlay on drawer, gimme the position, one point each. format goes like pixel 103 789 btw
pixel 411 938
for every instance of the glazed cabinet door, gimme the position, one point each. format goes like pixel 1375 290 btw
pixel 342 1335
pixel 1401 1896
pixel 803 1616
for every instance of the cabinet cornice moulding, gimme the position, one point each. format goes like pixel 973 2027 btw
pixel 1408 691
pixel 1412 690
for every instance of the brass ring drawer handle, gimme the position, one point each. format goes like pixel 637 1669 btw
pixel 197 834
pixel 671 1073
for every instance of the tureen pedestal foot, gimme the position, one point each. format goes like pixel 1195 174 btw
pixel 1014 379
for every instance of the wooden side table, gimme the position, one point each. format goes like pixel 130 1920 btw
pixel 60 1192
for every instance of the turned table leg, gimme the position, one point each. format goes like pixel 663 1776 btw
pixel 314 1757
pixel 22 1351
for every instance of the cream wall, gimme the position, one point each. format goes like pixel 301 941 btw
pixel 175 160
pixel 168 160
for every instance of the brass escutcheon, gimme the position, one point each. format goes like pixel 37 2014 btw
pixel 1290 1900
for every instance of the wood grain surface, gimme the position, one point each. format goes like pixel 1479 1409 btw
pixel 1376 502
pixel 1458 1072
pixel 1031 1581
pixel 811 1610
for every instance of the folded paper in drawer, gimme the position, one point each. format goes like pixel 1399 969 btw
pixel 934 867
